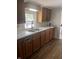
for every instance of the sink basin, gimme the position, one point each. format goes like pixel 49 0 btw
pixel 33 30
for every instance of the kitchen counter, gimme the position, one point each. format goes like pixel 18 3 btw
pixel 25 33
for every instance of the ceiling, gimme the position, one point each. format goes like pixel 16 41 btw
pixel 47 3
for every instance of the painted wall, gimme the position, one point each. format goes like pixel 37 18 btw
pixel 56 20
pixel 21 27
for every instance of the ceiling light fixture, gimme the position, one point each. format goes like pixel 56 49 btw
pixel 33 10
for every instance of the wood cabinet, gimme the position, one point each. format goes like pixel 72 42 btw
pixel 20 12
pixel 28 46
pixel 51 33
pixel 24 47
pixel 48 13
pixel 43 38
pixel 44 14
pixel 36 42
pixel 20 49
pixel 47 36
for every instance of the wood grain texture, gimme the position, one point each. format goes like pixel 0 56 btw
pixel 43 38
pixel 52 50
pixel 20 12
pixel 36 42
pixel 44 14
pixel 47 36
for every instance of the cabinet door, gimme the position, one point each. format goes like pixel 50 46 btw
pixel 20 49
pixel 47 36
pixel 44 12
pixel 20 12
pixel 49 14
pixel 39 16
pixel 43 37
pixel 51 33
pixel 28 47
pixel 36 42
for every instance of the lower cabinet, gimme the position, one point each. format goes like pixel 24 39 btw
pixel 27 46
pixel 51 33
pixel 20 49
pixel 24 48
pixel 43 37
pixel 36 42
pixel 47 36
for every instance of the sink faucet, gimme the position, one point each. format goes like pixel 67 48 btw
pixel 32 25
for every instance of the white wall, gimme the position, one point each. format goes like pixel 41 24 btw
pixel 35 6
pixel 21 27
pixel 56 20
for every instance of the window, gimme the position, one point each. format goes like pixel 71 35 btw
pixel 30 17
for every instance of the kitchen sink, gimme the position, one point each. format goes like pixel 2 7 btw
pixel 33 30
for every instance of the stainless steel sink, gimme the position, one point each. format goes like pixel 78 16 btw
pixel 33 30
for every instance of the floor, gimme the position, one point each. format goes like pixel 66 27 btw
pixel 52 50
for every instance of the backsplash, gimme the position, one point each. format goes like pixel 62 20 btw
pixel 21 27
pixel 43 24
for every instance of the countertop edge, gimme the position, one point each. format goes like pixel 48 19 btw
pixel 32 33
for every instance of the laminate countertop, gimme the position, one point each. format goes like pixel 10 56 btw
pixel 25 33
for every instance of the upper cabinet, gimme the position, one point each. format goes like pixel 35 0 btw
pixel 20 12
pixel 44 14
